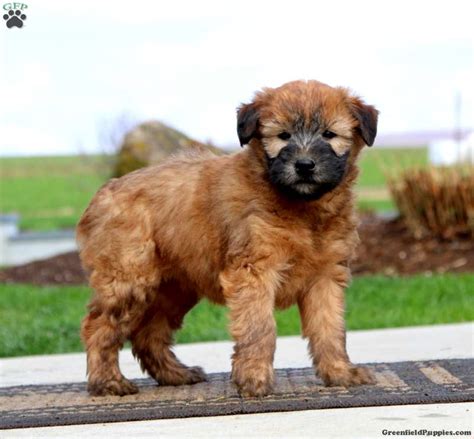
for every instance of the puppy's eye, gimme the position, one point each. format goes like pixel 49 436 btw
pixel 284 135
pixel 329 134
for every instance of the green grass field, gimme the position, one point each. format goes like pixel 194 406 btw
pixel 376 163
pixel 52 192
pixel 41 320
pixel 48 192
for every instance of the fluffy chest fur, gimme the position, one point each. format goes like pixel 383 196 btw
pixel 304 251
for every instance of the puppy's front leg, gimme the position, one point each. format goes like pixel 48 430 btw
pixel 249 292
pixel 322 318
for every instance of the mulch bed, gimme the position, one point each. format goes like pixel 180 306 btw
pixel 387 247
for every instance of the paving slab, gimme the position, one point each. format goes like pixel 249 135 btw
pixel 364 423
pixel 380 345
pixel 385 345
pixel 407 382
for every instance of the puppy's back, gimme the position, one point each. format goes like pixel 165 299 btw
pixel 159 212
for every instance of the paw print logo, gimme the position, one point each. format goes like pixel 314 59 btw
pixel 14 18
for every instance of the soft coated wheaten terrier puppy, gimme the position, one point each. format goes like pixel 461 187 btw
pixel 265 228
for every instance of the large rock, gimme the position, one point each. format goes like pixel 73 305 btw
pixel 151 142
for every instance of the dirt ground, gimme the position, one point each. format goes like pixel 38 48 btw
pixel 386 247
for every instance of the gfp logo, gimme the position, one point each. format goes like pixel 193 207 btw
pixel 15 15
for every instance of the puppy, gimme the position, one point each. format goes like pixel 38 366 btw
pixel 265 228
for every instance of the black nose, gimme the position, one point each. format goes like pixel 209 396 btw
pixel 304 166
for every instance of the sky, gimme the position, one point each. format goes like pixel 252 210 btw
pixel 78 67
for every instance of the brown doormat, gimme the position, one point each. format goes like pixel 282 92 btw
pixel 421 382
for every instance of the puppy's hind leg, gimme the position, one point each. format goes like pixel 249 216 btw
pixel 153 338
pixel 113 313
pixel 103 339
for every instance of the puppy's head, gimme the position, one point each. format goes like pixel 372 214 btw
pixel 310 134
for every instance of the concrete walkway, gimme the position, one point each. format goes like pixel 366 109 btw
pixel 386 345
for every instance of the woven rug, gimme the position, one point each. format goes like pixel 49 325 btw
pixel 422 382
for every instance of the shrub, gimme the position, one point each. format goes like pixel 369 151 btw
pixel 437 201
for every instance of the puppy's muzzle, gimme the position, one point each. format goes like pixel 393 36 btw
pixel 304 167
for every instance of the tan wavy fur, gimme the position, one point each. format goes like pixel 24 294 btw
pixel 160 239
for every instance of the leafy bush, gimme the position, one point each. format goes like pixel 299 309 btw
pixel 437 201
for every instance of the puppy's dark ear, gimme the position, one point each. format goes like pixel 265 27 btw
pixel 367 116
pixel 247 122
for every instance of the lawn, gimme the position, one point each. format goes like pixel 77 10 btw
pixel 375 163
pixel 49 192
pixel 40 320
pixel 52 192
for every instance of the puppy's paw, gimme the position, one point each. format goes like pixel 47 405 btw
pixel 196 375
pixel 118 387
pixel 184 375
pixel 347 376
pixel 255 381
